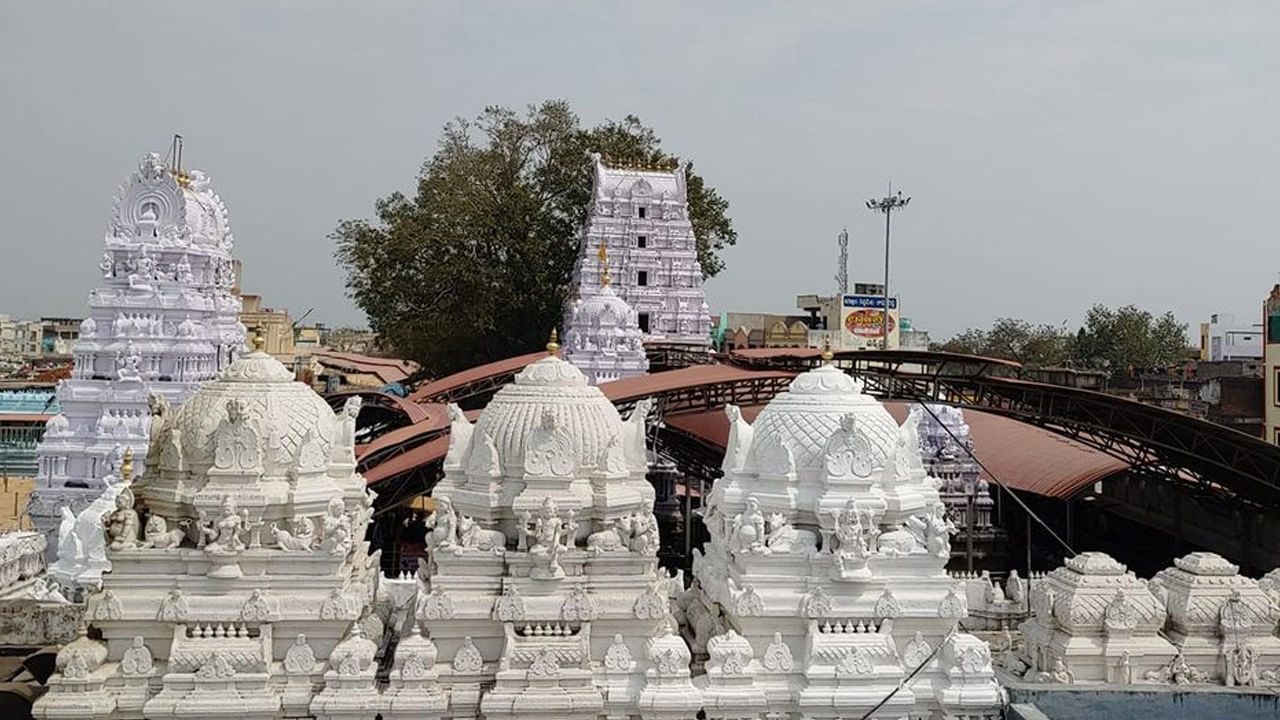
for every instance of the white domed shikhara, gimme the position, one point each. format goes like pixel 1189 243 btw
pixel 823 585
pixel 240 575
pixel 603 338
pixel 543 586
pixel 164 320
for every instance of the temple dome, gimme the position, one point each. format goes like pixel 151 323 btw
pixel 284 413
pixel 549 387
pixel 809 412
pixel 206 216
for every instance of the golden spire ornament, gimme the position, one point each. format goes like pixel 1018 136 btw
pixel 605 277
pixel 258 340
pixel 552 345
pixel 126 466
pixel 827 355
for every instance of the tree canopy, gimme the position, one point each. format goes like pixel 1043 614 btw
pixel 1128 338
pixel 1012 339
pixel 476 265
pixel 1112 340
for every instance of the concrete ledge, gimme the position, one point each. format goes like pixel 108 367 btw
pixel 1131 702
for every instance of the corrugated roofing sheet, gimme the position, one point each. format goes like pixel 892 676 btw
pixel 388 370
pixel 475 374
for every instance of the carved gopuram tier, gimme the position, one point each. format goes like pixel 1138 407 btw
pixel 163 321
pixel 239 574
pixel 823 585
pixel 641 216
pixel 542 592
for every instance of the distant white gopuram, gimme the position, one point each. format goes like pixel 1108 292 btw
pixel 543 594
pixel 822 588
pixel 641 215
pixel 240 573
pixel 163 321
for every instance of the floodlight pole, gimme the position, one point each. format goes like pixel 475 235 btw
pixel 887 205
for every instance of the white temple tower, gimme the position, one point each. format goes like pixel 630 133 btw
pixel 163 321
pixel 823 585
pixel 240 574
pixel 544 594
pixel 602 337
pixel 642 216
pixel 963 489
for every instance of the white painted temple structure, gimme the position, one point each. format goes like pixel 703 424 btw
pixel 641 215
pixel 163 321
pixel 543 594
pixel 239 570
pixel 602 333
pixel 1199 622
pixel 823 586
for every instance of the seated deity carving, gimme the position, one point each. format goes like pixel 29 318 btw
pixel 222 534
pixel 442 526
pixel 548 531
pixel 122 524
pixel 748 534
pixel 337 538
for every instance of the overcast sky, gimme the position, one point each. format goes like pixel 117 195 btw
pixel 1058 154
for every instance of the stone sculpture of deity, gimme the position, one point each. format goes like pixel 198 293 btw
pixel 122 523
pixel 443 526
pixel 236 442
pixel 748 530
pixel 144 271
pixel 548 531
pixel 222 534
pixel 129 364
pixel 337 529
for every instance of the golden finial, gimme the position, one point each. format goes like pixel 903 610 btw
pixel 827 355
pixel 259 339
pixel 605 277
pixel 126 467
pixel 552 345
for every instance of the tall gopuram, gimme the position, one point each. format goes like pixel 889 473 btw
pixel 823 588
pixel 946 445
pixel 602 335
pixel 642 216
pixel 543 593
pixel 163 321
pixel 239 570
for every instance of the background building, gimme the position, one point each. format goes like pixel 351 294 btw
pixel 1222 338
pixel 1271 365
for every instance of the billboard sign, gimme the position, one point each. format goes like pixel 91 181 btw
pixel 862 320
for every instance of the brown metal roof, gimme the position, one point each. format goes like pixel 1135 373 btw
pixel 427 452
pixel 641 386
pixel 388 370
pixel 1022 456
pixel 475 374
pixel 435 416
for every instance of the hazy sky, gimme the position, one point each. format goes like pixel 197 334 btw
pixel 1058 154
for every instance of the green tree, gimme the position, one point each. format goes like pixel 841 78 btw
pixel 476 265
pixel 1013 339
pixel 1127 337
